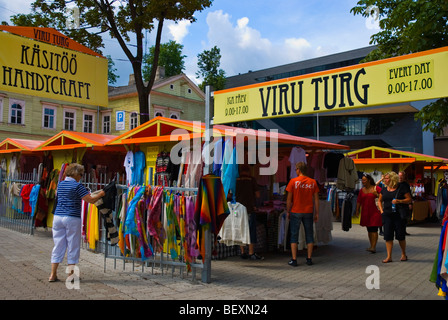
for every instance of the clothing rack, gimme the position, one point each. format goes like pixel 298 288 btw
pixel 157 260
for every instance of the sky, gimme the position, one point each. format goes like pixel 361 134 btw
pixel 251 34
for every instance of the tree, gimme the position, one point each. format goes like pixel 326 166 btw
pixel 122 19
pixel 208 64
pixel 170 57
pixel 111 75
pixel 409 26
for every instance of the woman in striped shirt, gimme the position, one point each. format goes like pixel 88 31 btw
pixel 67 218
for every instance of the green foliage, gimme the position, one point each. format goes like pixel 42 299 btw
pixel 111 70
pixel 409 26
pixel 208 65
pixel 434 116
pixel 170 57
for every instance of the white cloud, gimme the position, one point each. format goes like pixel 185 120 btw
pixel 244 48
pixel 179 31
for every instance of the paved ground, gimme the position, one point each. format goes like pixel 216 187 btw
pixel 339 273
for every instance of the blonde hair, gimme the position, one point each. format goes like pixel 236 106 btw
pixel 73 169
pixel 301 166
pixel 394 179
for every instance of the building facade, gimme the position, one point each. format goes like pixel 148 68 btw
pixel 48 83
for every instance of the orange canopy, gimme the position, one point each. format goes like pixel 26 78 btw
pixel 72 139
pixel 18 145
pixel 374 155
pixel 162 129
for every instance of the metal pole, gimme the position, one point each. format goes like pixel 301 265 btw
pixel 206 271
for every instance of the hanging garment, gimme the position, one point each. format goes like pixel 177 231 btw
pixel 281 174
pixel 52 183
pixel 347 174
pixel 183 230
pixel 34 195
pixel 128 164
pixel 211 209
pixel 105 207
pixel 25 194
pixel 194 169
pixel 331 163
pixel 130 226
pixel 172 226
pixel 138 169
pixel 154 223
pixel 231 174
pixel 146 250
pixel 122 218
pixel 218 153
pixel 93 229
pixel 235 229
pixel 436 276
pixel 297 155
pixel 191 226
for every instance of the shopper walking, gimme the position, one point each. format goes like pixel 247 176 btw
pixel 366 206
pixel 393 224
pixel 67 218
pixel 302 205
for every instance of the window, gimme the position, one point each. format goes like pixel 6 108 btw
pixel 159 113
pixel 69 119
pixel 88 119
pixel 189 91
pixel 172 86
pixel 174 115
pixel 49 117
pixel 133 120
pixel 17 112
pixel 106 123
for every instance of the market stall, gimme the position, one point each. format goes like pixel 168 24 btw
pixel 158 138
pixel 17 155
pixel 424 174
pixel 101 163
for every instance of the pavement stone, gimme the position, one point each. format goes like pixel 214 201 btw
pixel 338 273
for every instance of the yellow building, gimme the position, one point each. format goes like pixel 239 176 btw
pixel 48 83
pixel 175 97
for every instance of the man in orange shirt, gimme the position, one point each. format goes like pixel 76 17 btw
pixel 302 205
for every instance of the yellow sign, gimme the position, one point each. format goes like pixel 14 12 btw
pixel 39 69
pixel 413 77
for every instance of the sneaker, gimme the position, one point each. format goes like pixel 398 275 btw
pixel 292 263
pixel 256 257
pixel 244 256
pixel 308 261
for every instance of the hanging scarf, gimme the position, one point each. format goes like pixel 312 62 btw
pixel 130 226
pixel 191 234
pixel 122 216
pixel 146 250
pixel 154 223
pixel 211 209
pixel 172 226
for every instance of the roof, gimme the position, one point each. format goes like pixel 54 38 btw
pixel 131 89
pixel 374 155
pixel 18 145
pixel 72 139
pixel 49 35
pixel 160 129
